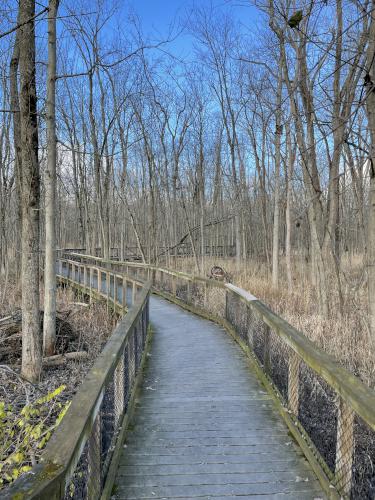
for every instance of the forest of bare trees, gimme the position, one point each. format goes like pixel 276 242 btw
pixel 258 148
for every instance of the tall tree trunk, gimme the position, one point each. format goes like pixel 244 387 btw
pixel 31 341
pixel 288 222
pixel 276 216
pixel 14 105
pixel 370 107
pixel 49 322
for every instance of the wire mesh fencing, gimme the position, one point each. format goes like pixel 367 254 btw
pixel 77 459
pixel 333 412
pixel 342 443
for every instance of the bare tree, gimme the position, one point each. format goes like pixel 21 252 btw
pixel 49 322
pixel 30 197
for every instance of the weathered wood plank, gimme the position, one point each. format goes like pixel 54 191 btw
pixel 203 425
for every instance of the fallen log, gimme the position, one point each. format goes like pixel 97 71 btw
pixel 11 325
pixel 61 359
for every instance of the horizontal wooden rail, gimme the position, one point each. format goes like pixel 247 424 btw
pixel 77 458
pixel 288 362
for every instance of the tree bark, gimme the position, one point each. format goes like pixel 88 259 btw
pixel 15 107
pixel 276 216
pixel 370 108
pixel 31 341
pixel 49 323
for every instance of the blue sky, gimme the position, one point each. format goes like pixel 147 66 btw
pixel 158 15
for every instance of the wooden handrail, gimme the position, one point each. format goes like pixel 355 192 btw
pixel 353 397
pixel 360 397
pixel 48 480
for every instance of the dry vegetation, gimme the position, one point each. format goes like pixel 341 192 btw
pixel 345 336
pixel 29 412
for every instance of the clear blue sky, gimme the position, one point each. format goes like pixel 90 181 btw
pixel 158 15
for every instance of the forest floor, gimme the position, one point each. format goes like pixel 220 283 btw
pixel 345 336
pixel 30 412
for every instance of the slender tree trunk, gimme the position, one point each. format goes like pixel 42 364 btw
pixel 276 216
pixel 14 105
pixel 31 341
pixel 289 173
pixel 49 322
pixel 370 107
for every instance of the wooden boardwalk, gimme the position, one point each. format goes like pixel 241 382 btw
pixel 203 426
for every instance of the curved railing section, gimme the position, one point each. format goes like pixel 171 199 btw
pixel 80 459
pixel 329 411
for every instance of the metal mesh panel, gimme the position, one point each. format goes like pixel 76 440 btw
pixel 237 315
pixel 76 487
pixel 163 282
pixel 182 290
pixel 94 452
pixel 198 294
pixel 363 469
pixel 107 415
pixel 279 354
pixel 215 301
pixel 136 349
pixel 258 332
pixel 317 413
pixel 131 360
pixel 126 378
pixel 90 473
pixel 341 438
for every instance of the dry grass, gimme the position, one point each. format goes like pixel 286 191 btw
pixel 344 336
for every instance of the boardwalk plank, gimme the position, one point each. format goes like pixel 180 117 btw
pixel 203 425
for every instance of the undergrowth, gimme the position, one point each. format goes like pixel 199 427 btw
pixel 29 413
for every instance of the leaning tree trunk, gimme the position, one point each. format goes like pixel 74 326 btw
pixel 49 322
pixel 31 342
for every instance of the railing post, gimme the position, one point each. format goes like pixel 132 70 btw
pixel 267 349
pixel 188 292
pixel 205 298
pixel 124 290
pixel 84 276
pixel 133 293
pixel 115 295
pixel 108 285
pixel 99 281
pixel 173 285
pixel 293 382
pixel 90 282
pixel 94 461
pixel 344 447
pixel 161 279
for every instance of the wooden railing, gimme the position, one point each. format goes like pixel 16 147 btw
pixel 329 411
pixel 80 459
